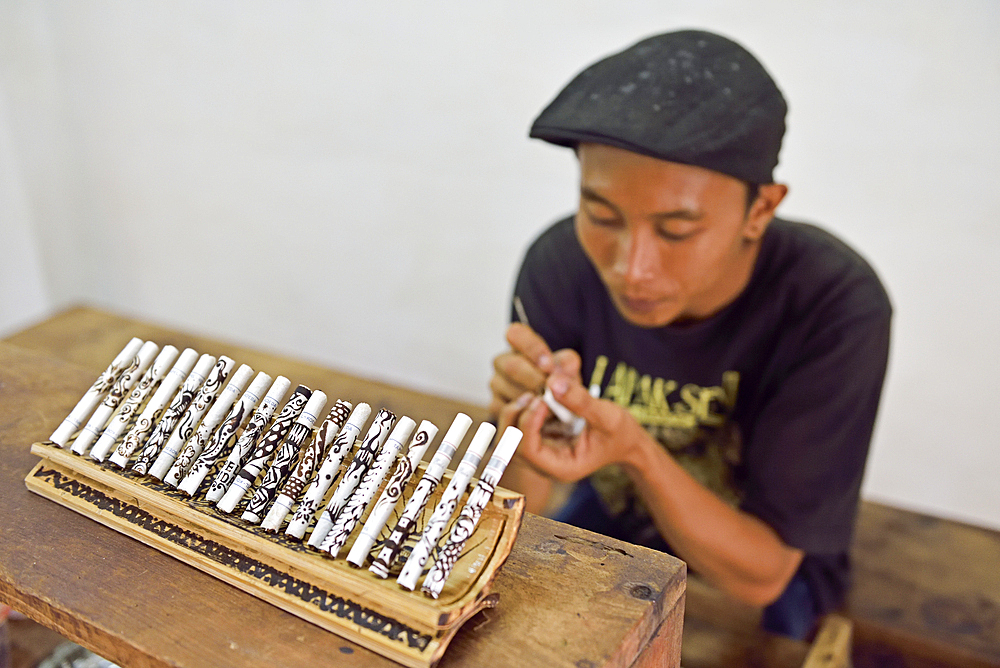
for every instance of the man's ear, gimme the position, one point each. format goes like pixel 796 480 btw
pixel 769 196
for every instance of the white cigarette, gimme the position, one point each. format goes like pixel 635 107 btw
pixel 285 458
pixel 248 439
pixel 92 397
pixel 446 507
pixel 120 388
pixel 225 434
pixel 392 493
pixel 151 413
pixel 216 414
pixel 467 520
pixel 199 406
pixel 173 414
pixel 316 449
pixel 130 407
pixel 421 493
pixel 327 473
pixel 363 458
pixel 262 453
pixel 356 506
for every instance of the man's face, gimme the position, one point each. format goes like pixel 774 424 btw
pixel 671 242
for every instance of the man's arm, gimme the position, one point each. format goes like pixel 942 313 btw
pixel 736 551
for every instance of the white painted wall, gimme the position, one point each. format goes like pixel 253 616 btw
pixel 352 184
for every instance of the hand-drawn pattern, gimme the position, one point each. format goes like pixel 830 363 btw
pixel 276 473
pixel 151 413
pixel 461 531
pixel 274 436
pixel 310 458
pixel 216 414
pixel 223 436
pixel 363 459
pixel 170 418
pixel 393 545
pixel 349 517
pixel 199 405
pixel 393 491
pixel 119 423
pixel 445 509
pixel 246 442
pixel 92 397
pixel 118 391
pixel 327 473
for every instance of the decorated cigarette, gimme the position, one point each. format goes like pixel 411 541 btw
pixel 173 414
pixel 296 482
pixel 198 407
pixel 225 434
pixel 363 458
pixel 151 413
pixel 216 414
pixel 270 441
pixel 119 390
pixel 248 439
pixel 285 458
pixel 92 397
pixel 446 507
pixel 374 476
pixel 149 382
pixel 467 520
pixel 328 471
pixel 392 493
pixel 425 487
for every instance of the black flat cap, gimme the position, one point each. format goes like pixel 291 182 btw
pixel 691 97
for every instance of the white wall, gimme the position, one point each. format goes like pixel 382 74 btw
pixel 352 184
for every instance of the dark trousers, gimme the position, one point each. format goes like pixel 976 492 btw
pixel 793 614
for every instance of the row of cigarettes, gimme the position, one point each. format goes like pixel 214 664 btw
pixel 189 422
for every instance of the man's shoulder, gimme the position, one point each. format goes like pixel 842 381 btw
pixel 819 267
pixel 557 244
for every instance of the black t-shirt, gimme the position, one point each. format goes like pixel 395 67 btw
pixel 770 403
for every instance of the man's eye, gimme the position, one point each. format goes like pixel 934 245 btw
pixel 675 235
pixel 604 221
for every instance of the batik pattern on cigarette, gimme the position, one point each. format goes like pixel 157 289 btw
pixel 328 471
pixel 171 416
pixel 363 458
pixel 467 520
pixel 216 414
pixel 119 390
pixel 421 552
pixel 372 480
pixel 274 436
pixel 248 439
pixel 151 413
pixel 285 458
pixel 92 397
pixel 199 405
pixel 392 493
pixel 225 434
pixel 130 407
pixel 317 448
pixel 296 482
pixel 407 522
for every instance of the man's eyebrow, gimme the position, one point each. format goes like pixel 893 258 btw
pixel 675 214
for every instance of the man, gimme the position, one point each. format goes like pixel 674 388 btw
pixel 737 359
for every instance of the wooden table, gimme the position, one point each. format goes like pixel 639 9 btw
pixel 567 597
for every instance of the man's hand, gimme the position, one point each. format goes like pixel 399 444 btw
pixel 607 438
pixel 524 368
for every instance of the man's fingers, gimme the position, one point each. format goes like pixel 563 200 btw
pixel 567 361
pixel 526 341
pixel 520 372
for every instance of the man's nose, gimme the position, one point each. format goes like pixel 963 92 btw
pixel 638 257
